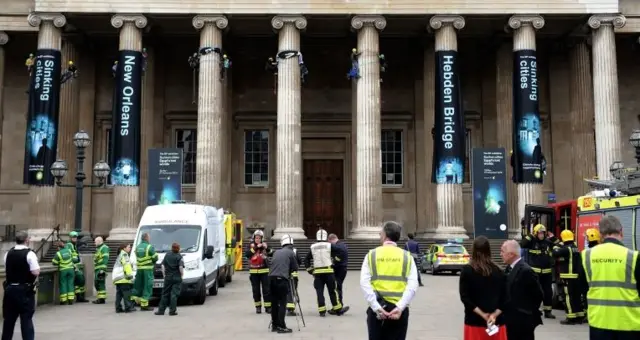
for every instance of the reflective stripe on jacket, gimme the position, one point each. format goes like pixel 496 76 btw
pixel 389 272
pixel 145 256
pixel 122 270
pixel 613 299
pixel 63 260
pixel 101 257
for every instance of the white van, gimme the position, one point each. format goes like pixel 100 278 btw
pixel 199 230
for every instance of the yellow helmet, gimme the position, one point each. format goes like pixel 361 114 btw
pixel 539 228
pixel 566 235
pixel 593 234
pixel 70 62
pixel 354 50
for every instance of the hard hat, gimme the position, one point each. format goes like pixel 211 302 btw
pixel 258 233
pixel 322 235
pixel 73 234
pixel 566 235
pixel 70 62
pixel 539 228
pixel 593 234
pixel 286 239
pixel 354 50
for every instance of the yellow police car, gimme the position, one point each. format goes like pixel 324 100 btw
pixel 445 256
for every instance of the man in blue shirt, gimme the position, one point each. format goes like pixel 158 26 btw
pixel 413 247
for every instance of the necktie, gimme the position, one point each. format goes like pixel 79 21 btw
pixel 507 270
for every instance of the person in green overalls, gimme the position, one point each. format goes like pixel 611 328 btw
pixel 64 261
pixel 79 267
pixel 172 270
pixel 146 258
pixel 100 261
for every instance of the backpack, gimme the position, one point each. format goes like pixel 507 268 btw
pixel 256 261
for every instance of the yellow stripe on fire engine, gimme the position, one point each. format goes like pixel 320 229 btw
pixel 590 203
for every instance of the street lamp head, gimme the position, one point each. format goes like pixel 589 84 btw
pixel 59 169
pixel 81 139
pixel 615 168
pixel 101 170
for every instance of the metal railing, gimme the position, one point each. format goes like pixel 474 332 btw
pixel 9 232
pixel 55 232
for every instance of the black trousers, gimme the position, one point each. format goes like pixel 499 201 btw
pixel 546 281
pixel 520 331
pixel 387 329
pixel 329 280
pixel 605 334
pixel 279 290
pixel 18 302
pixel 259 281
pixel 123 297
pixel 573 299
pixel 341 274
pixel 291 305
pixel 416 258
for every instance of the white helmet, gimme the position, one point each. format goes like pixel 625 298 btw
pixel 286 239
pixel 322 235
pixel 257 233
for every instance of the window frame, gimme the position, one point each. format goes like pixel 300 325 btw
pixel 174 144
pixel 243 136
pixel 403 174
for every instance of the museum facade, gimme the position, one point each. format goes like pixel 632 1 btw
pixel 311 141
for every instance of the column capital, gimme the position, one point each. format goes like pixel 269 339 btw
pixel 615 20
pixel 298 21
pixel 219 20
pixel 4 38
pixel 139 20
pixel 438 21
pixel 36 18
pixel 377 21
pixel 517 21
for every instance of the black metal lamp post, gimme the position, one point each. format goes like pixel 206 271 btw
pixel 634 139
pixel 615 169
pixel 101 170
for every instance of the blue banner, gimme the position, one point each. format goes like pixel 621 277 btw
pixel 164 176
pixel 489 186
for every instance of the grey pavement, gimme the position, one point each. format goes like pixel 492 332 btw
pixel 436 314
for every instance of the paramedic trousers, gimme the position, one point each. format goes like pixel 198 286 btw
pixel 291 304
pixel 329 280
pixel 19 302
pixel 79 283
pixel 546 281
pixel 143 287
pixel 99 283
pixel 259 281
pixel 170 294
pixel 387 329
pixel 65 285
pixel 573 299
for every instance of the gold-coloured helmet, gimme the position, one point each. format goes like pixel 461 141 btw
pixel 593 234
pixel 566 235
pixel 539 228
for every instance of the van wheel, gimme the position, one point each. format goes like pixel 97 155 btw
pixel 202 295
pixel 229 278
pixel 213 291
pixel 222 281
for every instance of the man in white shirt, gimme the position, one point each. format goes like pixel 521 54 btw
pixel 22 270
pixel 389 281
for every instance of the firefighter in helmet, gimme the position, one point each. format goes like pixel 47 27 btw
pixel 538 247
pixel 568 257
pixel 258 254
pixel 593 237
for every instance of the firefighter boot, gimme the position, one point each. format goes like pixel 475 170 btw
pixel 291 312
pixel 267 310
pixel 573 321
pixel 258 310
pixel 323 314
pixel 548 315
pixel 98 302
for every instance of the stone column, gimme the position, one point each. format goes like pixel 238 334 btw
pixel 450 220
pixel 86 122
pixel 605 91
pixel 368 209
pixel 524 38
pixel 67 127
pixel 147 118
pixel 288 134
pixel 429 105
pixel 209 167
pixel 42 207
pixel 4 39
pixel 581 108
pixel 126 199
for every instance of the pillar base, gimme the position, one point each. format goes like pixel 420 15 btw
pixel 427 234
pixel 515 235
pixel 122 234
pixel 444 233
pixel 295 233
pixel 366 233
pixel 36 235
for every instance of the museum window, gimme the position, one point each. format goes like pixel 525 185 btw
pixel 186 139
pixel 392 158
pixel 256 158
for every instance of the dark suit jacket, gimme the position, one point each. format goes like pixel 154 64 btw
pixel 524 296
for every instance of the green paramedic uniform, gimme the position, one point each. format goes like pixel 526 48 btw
pixel 146 258
pixel 64 261
pixel 172 263
pixel 79 273
pixel 100 261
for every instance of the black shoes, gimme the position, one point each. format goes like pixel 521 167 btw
pixel 258 310
pixel 291 313
pixel 267 310
pixel 81 299
pixel 69 302
pixel 281 330
pixel 130 310
pixel 173 313
pixel 323 314
pixel 98 302
pixel 548 315
pixel 339 311
pixel 145 309
pixel 574 321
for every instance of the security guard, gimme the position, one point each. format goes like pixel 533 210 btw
pixel 291 306
pixel 64 261
pixel 100 262
pixel 258 254
pixel 389 280
pixel 568 257
pixel 172 270
pixel 146 258
pixel 612 273
pixel 538 247
pixel 321 253
pixel 79 279
pixel 593 237
pixel 19 301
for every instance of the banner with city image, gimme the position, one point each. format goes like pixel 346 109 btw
pixel 449 131
pixel 489 188
pixel 125 158
pixel 527 150
pixel 164 176
pixel 41 139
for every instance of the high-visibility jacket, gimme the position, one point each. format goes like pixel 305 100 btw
pixel 63 260
pixel 122 270
pixel 390 268
pixel 146 256
pixel 74 251
pixel 101 257
pixel 614 302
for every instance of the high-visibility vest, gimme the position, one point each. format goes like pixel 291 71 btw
pixel 390 267
pixel 613 299
pixel 63 259
pixel 101 257
pixel 143 259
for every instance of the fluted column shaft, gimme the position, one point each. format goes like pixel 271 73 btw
pixel 67 127
pixel 147 122
pixel 368 209
pixel 42 207
pixel 126 199
pixel 605 92
pixel 450 220
pixel 4 39
pixel 524 38
pixel 429 105
pixel 209 167
pixel 288 133
pixel 581 106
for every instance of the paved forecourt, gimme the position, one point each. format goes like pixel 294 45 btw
pixel 436 314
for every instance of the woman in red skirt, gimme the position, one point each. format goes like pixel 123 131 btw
pixel 482 291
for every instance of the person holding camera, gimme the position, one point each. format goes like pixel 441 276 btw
pixel 258 254
pixel 100 262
